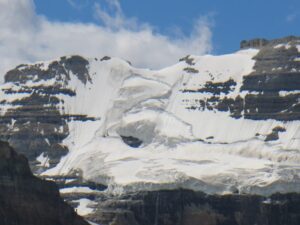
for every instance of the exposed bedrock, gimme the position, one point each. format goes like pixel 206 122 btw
pixel 184 207
pixel 271 91
pixel 254 43
pixel 59 69
pixel 34 123
pixel 28 200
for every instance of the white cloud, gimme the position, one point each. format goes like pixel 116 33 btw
pixel 114 18
pixel 291 17
pixel 78 4
pixel 27 37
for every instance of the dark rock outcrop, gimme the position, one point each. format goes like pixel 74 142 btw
pixel 254 43
pixel 59 70
pixel 271 90
pixel 184 207
pixel 188 59
pixel 132 141
pixel 36 124
pixel 274 135
pixel 28 200
pixel 216 88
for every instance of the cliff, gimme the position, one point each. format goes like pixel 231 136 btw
pixel 186 207
pixel 28 200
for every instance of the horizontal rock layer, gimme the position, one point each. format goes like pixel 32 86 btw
pixel 184 207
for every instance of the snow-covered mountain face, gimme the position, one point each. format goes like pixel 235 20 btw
pixel 217 124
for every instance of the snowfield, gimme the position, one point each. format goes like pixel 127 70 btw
pixel 181 148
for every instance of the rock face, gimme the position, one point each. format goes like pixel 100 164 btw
pixel 28 200
pixel 184 207
pixel 37 127
pixel 276 71
pixel 254 43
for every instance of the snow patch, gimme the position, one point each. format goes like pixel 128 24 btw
pixel 77 190
pixel 43 160
pixel 85 206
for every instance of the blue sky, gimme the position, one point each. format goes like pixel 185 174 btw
pixel 230 20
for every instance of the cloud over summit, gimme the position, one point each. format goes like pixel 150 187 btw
pixel 27 37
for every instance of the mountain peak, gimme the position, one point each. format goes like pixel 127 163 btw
pixel 259 43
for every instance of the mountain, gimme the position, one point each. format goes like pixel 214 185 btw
pixel 27 200
pixel 217 125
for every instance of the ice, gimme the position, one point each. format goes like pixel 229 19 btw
pixel 77 190
pixel 85 206
pixel 286 46
pixel 285 93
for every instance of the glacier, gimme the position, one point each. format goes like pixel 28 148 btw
pixel 150 130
